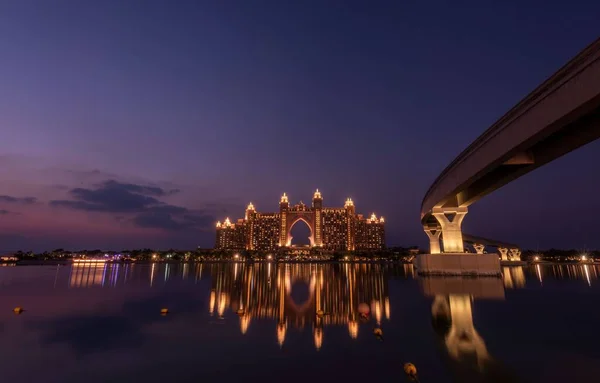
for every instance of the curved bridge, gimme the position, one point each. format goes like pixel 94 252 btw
pixel 560 115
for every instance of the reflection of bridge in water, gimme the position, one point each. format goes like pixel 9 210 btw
pixel 452 317
pixel 338 292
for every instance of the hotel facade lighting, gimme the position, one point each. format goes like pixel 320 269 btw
pixel 332 229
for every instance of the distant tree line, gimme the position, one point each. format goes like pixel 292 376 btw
pixel 392 253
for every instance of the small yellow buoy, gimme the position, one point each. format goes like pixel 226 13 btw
pixel 320 313
pixel 410 370
pixel 164 311
pixel 18 310
pixel 377 331
pixel 240 312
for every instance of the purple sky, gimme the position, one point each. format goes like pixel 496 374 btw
pixel 140 123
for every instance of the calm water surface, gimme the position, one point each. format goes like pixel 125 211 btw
pixel 260 323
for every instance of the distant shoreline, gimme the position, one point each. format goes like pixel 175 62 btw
pixel 56 262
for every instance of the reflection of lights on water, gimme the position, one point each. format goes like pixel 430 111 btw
pixel 244 323
pixel 222 303
pixel 152 274
pixel 167 267
pixel 281 333
pixel 115 275
pixel 506 277
pixel 388 314
pixel 87 274
pixel 587 274
pixel 318 338
pixel 353 329
pixel 376 308
pixel 538 270
pixel 184 273
pixel 211 304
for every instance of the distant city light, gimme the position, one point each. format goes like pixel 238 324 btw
pixel 89 260
pixel 536 258
pixel 583 258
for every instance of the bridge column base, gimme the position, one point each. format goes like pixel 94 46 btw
pixel 456 264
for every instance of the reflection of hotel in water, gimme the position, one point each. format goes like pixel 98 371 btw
pixel 263 291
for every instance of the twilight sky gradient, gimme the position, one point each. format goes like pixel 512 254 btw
pixel 140 123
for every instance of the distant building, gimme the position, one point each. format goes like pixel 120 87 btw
pixel 8 258
pixel 332 229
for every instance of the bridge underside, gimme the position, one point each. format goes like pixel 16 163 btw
pixel 572 133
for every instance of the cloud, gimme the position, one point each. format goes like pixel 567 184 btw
pixel 21 200
pixel 116 197
pixel 147 190
pixel 6 212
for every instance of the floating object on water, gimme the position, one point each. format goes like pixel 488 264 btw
pixel 320 313
pixel 378 333
pixel 411 370
pixel 18 310
pixel 363 309
pixel 240 312
pixel 164 311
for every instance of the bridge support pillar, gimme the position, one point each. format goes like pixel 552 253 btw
pixel 515 254
pixel 450 219
pixel 434 239
pixel 479 248
pixel 503 252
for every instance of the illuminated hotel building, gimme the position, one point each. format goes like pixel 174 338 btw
pixel 332 229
